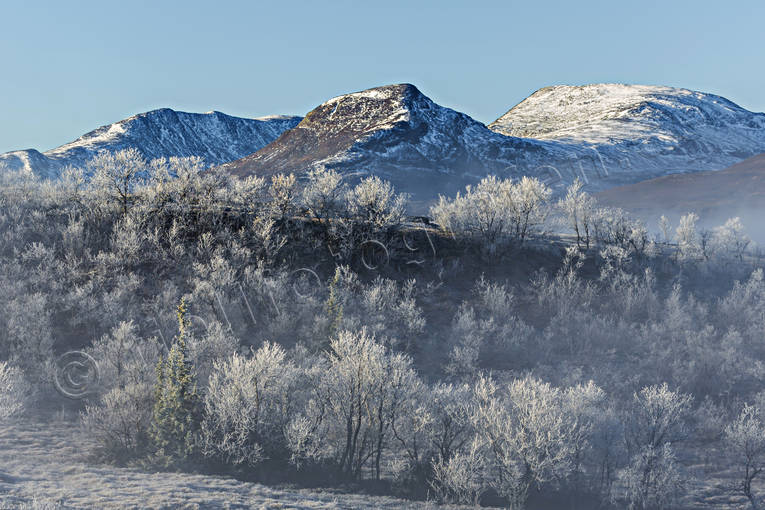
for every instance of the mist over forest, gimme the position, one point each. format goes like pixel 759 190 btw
pixel 514 348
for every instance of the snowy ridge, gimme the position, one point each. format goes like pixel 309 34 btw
pixel 214 136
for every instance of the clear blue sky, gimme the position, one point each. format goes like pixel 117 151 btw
pixel 68 67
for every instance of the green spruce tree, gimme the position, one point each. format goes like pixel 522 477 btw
pixel 176 402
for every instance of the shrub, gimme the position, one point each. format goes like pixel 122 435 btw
pixel 375 203
pixel 120 422
pixel 247 406
pixel 745 447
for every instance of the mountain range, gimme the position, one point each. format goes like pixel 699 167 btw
pixel 606 135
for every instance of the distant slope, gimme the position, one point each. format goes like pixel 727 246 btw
pixel 640 129
pixel 736 191
pixel 214 136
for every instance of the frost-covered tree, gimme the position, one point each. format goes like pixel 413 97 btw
pixel 283 196
pixel 530 206
pixel 688 239
pixel 495 210
pixel 526 435
pixel 209 346
pixel 324 193
pixel 584 406
pixel 246 193
pixel 390 310
pixel 729 239
pixel 117 175
pixel 488 325
pixel 578 207
pixel 658 416
pixel 743 307
pixel 745 447
pixel 653 480
pixel 375 202
pixel 356 394
pixel 120 422
pixel 564 296
pixel 28 341
pixel 248 403
pixel 433 426
pixel 614 226
pixel 176 184
pixel 657 420
pixel 124 358
pixel 665 226
pixel 467 341
pixel 462 477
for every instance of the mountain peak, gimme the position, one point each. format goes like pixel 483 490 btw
pixel 399 90
pixel 394 131
pixel 367 110
pixel 604 134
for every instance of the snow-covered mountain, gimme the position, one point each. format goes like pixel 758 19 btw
pixel 647 130
pixel 214 136
pixel 607 135
pixel 398 133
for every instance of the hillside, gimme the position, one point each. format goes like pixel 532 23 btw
pixel 714 195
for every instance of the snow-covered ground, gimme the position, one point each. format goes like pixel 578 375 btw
pixel 44 466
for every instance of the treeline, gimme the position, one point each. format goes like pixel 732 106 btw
pixel 248 324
